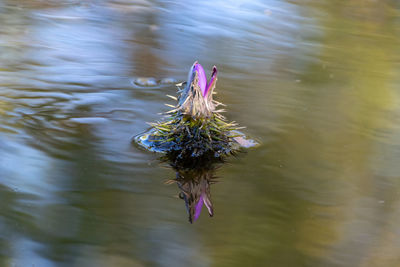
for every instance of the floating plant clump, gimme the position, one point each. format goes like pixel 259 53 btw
pixel 195 130
pixel 194 136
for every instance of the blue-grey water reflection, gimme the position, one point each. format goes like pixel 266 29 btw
pixel 316 82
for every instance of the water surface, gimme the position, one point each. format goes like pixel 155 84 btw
pixel 315 82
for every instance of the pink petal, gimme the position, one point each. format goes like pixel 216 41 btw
pixel 197 209
pixel 212 81
pixel 201 76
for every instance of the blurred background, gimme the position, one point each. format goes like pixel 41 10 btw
pixel 316 82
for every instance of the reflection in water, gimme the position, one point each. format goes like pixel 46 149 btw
pixel 195 186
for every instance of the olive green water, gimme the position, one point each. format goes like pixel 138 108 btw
pixel 316 83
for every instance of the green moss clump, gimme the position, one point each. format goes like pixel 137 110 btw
pixel 187 138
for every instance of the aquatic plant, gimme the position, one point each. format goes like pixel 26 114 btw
pixel 194 136
pixel 194 129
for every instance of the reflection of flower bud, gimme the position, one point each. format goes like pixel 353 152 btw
pixel 196 99
pixel 195 185
pixel 204 198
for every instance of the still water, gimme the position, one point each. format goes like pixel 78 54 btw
pixel 316 83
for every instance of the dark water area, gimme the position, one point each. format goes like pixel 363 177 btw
pixel 316 83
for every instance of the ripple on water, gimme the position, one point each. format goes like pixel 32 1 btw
pixel 150 82
pixel 89 120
